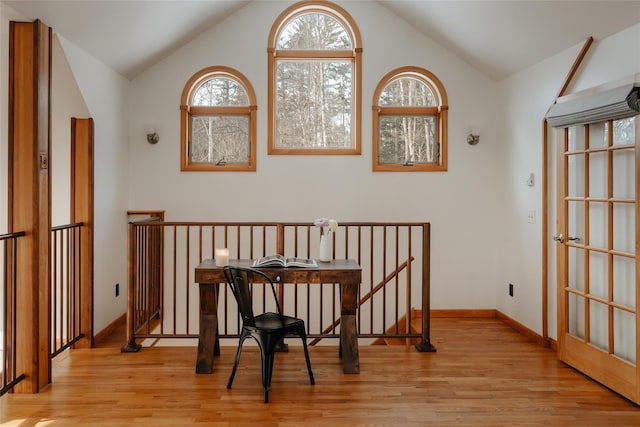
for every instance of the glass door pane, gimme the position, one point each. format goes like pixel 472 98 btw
pixel 624 335
pixel 624 281
pixel 576 269
pixel 576 175
pixel 624 174
pixel 576 316
pixel 598 172
pixel 598 325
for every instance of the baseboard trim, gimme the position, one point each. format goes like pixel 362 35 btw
pixel 464 313
pixel 492 313
pixel 532 335
pixel 110 329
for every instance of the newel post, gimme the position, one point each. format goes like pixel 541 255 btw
pixel 131 346
pixel 425 345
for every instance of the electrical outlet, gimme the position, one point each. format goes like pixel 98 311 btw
pixel 117 289
pixel 510 289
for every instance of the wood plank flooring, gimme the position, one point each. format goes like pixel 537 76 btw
pixel 483 374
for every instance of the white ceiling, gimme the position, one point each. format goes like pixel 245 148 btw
pixel 498 38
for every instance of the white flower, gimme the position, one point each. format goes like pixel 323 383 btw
pixel 328 225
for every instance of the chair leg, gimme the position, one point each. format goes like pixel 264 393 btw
pixel 267 370
pixel 306 356
pixel 235 363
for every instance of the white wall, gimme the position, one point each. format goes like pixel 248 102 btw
pixel 104 92
pixel 459 203
pixel 66 102
pixel 6 15
pixel 525 98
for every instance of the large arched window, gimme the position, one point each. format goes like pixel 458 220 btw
pixel 218 122
pixel 410 122
pixel 314 54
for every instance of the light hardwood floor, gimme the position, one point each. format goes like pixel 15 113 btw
pixel 483 374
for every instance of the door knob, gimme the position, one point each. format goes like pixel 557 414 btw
pixel 559 238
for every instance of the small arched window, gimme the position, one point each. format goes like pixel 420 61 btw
pixel 314 81
pixel 218 122
pixel 410 122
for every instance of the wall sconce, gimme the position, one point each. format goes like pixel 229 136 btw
pixel 473 139
pixel 153 137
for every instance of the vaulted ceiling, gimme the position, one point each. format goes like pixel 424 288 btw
pixel 498 38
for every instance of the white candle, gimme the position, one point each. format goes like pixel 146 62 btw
pixel 222 257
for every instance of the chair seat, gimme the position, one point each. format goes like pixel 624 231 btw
pixel 273 322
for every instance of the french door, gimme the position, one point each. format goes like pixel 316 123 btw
pixel 597 237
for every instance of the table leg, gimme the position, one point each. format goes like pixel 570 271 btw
pixel 348 329
pixel 216 351
pixel 208 335
pixel 349 343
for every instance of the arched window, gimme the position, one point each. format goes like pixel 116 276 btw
pixel 410 122
pixel 218 122
pixel 314 54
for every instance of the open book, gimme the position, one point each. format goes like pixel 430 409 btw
pixel 281 261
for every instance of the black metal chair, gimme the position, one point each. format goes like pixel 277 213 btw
pixel 267 329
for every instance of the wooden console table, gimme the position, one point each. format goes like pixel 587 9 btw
pixel 346 272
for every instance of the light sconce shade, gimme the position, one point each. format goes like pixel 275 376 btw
pixel 473 139
pixel 152 134
pixel 153 138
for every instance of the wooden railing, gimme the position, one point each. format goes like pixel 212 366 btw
pixel 8 301
pixel 163 297
pixel 66 287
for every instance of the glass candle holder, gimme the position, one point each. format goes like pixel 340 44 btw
pixel 222 257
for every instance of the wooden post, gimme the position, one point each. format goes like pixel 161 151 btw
pixel 131 346
pixel 425 345
pixel 29 195
pixel 82 212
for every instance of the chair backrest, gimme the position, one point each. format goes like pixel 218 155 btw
pixel 240 279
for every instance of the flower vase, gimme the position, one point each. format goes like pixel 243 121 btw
pixel 325 248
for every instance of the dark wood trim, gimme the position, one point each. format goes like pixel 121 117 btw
pixel 463 313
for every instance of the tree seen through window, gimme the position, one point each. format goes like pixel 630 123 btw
pixel 314 69
pixel 218 116
pixel 410 122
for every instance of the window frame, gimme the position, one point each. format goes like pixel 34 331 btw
pixel 187 110
pixel 354 55
pixel 440 111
